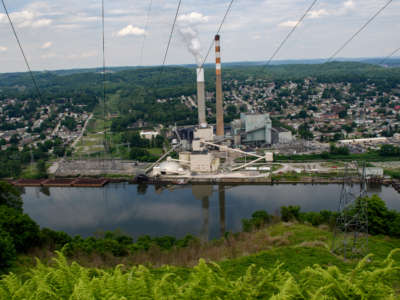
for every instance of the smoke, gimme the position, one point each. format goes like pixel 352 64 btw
pixel 187 27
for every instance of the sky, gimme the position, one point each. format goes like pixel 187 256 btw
pixel 61 34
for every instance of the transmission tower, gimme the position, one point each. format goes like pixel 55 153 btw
pixel 351 230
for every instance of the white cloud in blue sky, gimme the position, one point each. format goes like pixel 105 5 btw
pixel 67 34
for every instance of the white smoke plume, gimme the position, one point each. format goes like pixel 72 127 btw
pixel 187 27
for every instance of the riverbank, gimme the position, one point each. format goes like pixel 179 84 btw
pixel 102 181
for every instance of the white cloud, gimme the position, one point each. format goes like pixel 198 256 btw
pixel 193 18
pixel 315 14
pixel 131 30
pixel 42 23
pixel 47 45
pixel 3 49
pixel 288 24
pixel 349 4
pixel 26 18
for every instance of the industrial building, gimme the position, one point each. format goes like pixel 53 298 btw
pixel 256 129
pixel 281 136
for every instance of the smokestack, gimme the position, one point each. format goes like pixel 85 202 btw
pixel 201 99
pixel 219 104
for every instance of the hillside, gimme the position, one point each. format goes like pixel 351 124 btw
pixel 295 264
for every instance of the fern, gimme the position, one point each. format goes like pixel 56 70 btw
pixel 368 280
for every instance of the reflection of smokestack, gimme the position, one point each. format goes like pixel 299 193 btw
pixel 205 204
pixel 221 193
pixel 201 98
pixel 219 104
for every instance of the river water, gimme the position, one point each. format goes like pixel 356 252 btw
pixel 200 210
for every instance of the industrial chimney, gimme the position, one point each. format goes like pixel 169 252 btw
pixel 201 99
pixel 219 100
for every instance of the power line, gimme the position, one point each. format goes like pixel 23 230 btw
pixel 145 31
pixel 170 35
pixel 168 45
pixel 104 75
pixel 389 56
pixel 358 31
pixel 22 51
pixel 218 31
pixel 289 34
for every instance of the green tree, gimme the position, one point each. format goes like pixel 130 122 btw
pixel 22 229
pixel 7 250
pixel 10 196
pixel 41 168
pixel 290 213
pixel 389 150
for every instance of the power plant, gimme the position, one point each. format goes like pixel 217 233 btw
pixel 207 150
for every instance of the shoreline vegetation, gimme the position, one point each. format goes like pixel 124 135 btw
pixel 271 257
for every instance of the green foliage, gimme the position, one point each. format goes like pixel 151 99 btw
pixel 70 123
pixel 54 239
pixel 258 220
pixel 389 150
pixel 381 220
pixel 10 196
pixel 393 173
pixel 290 213
pixel 141 154
pixel 371 156
pixel 7 250
pixel 115 243
pixel 339 150
pixel 368 280
pixel 304 132
pixel 22 229
pixel 318 218
pixel 41 169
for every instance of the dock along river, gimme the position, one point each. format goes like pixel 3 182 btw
pixel 206 211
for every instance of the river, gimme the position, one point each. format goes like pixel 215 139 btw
pixel 200 210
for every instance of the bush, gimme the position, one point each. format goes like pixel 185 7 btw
pixel 54 239
pixel 247 225
pixel 10 196
pixel 22 229
pixel 389 150
pixel 258 220
pixel 7 250
pixel 290 213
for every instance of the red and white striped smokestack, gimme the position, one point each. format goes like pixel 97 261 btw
pixel 218 83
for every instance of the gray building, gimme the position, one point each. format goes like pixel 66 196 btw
pixel 281 136
pixel 252 129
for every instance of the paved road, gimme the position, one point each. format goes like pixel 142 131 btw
pixel 82 132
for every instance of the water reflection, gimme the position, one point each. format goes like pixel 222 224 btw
pixel 203 210
pixel 221 198
pixel 203 193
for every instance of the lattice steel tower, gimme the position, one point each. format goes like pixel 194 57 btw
pixel 351 230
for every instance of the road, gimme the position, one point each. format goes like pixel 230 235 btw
pixel 82 132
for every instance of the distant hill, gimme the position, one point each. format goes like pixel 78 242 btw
pixel 392 62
